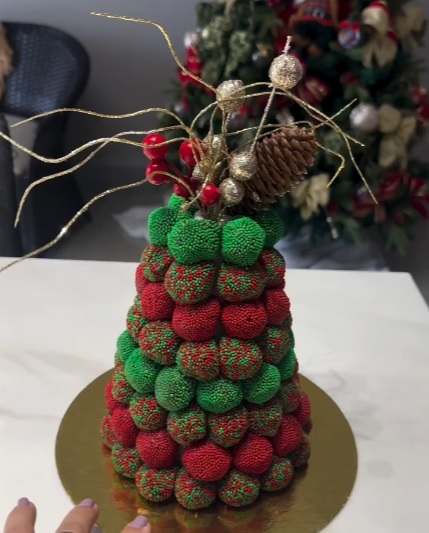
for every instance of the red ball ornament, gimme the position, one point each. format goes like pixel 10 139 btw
pixel 253 455
pixel 154 172
pixel 123 427
pixel 210 194
pixel 157 449
pixel 151 150
pixel 206 461
pixel 190 152
pixel 181 190
pixel 289 436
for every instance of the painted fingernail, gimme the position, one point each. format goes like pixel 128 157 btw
pixel 87 502
pixel 23 502
pixel 139 523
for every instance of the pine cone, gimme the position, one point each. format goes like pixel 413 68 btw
pixel 283 158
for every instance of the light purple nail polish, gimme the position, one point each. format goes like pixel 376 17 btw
pixel 87 502
pixel 139 523
pixel 23 502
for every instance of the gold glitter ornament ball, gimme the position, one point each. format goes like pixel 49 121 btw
pixel 285 72
pixel 232 191
pixel 243 166
pixel 230 95
pixel 216 146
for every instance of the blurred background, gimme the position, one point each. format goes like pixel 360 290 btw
pixel 131 68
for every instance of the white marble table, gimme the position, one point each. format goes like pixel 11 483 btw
pixel 363 337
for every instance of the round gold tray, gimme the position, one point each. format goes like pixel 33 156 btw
pixel 316 496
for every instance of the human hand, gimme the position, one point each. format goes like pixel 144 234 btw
pixel 81 519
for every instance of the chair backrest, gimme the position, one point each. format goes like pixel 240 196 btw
pixel 51 69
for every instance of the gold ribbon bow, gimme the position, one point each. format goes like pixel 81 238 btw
pixel 397 130
pixel 381 47
pixel 410 22
pixel 310 195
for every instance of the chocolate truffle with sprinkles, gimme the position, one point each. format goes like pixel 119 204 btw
pixel 193 494
pixel 253 455
pixel 111 402
pixel 190 284
pixel 160 223
pixel 275 343
pixel 262 387
pixel 107 434
pixel 159 342
pixel 238 358
pixel 157 449
pixel 238 284
pixel 122 391
pixel 302 454
pixel 275 268
pixel 242 241
pixel 155 262
pixel 141 372
pixel 147 413
pixel 291 395
pixel 199 360
pixel 227 429
pixel 156 302
pixel 156 485
pixel 238 489
pixel 206 461
pixel 173 390
pixel 265 419
pixel 288 365
pixel 219 395
pixel 272 225
pixel 126 345
pixel 192 241
pixel 278 476
pixel 126 461
pixel 136 320
pixel 188 425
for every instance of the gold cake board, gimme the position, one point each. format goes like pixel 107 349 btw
pixel 316 496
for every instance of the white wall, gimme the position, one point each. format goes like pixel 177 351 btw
pixel 131 68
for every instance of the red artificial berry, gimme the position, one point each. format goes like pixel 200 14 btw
pixel 150 148
pixel 154 172
pixel 181 190
pixel 210 194
pixel 156 448
pixel 189 152
pixel 253 455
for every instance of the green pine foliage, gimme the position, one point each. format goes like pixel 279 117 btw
pixel 242 44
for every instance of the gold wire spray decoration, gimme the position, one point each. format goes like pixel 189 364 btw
pixel 314 112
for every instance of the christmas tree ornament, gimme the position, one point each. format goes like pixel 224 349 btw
pixel 232 191
pixel 364 118
pixel 242 166
pixel 349 35
pixel 286 71
pixel 313 90
pixel 154 147
pixel 310 195
pixel 382 45
pixel 191 39
pixel 398 129
pixel 230 95
pixel 215 146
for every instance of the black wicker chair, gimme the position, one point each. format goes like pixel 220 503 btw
pixel 51 70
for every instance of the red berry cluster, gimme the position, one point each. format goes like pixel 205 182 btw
pixel 159 170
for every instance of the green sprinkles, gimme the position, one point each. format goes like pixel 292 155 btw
pixel 126 345
pixel 287 366
pixel 242 241
pixel 239 284
pixel 190 284
pixel 272 225
pixel 219 395
pixel 173 390
pixel 126 461
pixel 192 241
pixel 141 372
pixel 262 387
pixel 188 425
pixel 147 413
pixel 160 223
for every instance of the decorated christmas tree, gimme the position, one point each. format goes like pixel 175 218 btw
pixel 356 51
pixel 205 400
